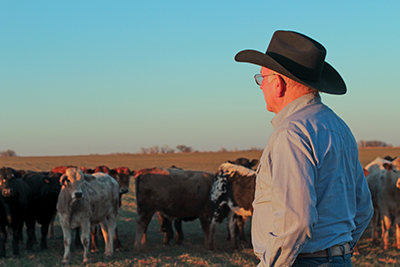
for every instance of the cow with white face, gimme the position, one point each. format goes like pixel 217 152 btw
pixel 85 201
pixel 384 184
pixel 231 197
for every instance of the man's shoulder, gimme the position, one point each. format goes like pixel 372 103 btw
pixel 314 118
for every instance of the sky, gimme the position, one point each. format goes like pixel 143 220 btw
pixel 100 77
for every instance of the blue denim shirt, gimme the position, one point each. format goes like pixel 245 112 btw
pixel 311 192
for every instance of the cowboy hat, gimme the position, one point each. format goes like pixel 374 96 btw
pixel 299 58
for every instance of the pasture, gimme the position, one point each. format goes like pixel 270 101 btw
pixel 192 252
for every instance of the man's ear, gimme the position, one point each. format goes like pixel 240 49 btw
pixel 280 89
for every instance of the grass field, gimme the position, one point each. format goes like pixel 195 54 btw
pixel 192 252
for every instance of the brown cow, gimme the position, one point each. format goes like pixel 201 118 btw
pixel 84 201
pixel 174 193
pixel 61 169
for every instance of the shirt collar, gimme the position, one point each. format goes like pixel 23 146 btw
pixel 294 106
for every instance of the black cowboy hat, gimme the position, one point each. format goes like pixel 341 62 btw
pixel 299 58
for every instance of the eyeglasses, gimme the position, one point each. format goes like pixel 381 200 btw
pixel 259 78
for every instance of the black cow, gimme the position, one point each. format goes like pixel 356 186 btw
pixel 45 188
pixel 14 202
pixel 231 197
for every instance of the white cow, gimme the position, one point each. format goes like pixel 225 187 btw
pixel 84 201
pixel 378 161
pixel 384 184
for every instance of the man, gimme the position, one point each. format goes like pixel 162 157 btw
pixel 312 202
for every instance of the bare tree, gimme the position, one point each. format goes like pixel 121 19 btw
pixel 167 149
pixel 8 153
pixel 154 150
pixel 184 149
pixel 144 150
pixel 222 149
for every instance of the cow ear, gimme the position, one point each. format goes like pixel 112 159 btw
pixel 63 180
pixel 254 162
pixel 387 166
pixel 88 177
pixel 16 174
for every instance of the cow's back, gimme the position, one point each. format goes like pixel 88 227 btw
pixel 103 195
pixel 174 192
pixel 100 198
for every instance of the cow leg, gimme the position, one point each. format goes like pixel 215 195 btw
pixel 93 236
pixel 240 226
pixel 108 228
pixel 205 225
pixel 166 228
pixel 30 232
pixel 85 239
pixel 117 242
pixel 398 233
pixel 44 230
pixel 142 223
pixel 160 221
pixel 3 239
pixel 77 241
pixel 17 233
pixel 386 224
pixel 374 233
pixel 211 238
pixel 112 232
pixel 179 232
pixel 67 243
pixel 106 234
pixel 51 227
pixel 232 223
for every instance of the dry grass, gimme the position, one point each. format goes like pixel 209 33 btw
pixel 192 252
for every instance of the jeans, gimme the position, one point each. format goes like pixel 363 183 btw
pixel 336 261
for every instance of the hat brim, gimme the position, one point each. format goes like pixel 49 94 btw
pixel 330 82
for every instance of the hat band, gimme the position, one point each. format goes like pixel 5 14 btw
pixel 300 71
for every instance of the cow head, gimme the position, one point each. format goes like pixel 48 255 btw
pixel 72 181
pixel 396 163
pixel 102 168
pixel 6 177
pixel 245 162
pixel 122 175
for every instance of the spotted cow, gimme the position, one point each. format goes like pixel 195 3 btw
pixel 231 197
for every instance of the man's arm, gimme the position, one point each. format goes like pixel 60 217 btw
pixel 365 209
pixel 293 198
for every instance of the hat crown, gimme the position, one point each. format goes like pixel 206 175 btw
pixel 298 53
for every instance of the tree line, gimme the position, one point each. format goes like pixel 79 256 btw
pixel 165 149
pixel 373 143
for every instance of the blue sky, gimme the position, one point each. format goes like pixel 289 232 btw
pixel 79 77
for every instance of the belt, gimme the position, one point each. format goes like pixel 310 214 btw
pixel 335 251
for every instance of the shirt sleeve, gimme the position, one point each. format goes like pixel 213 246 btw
pixel 293 198
pixel 365 209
